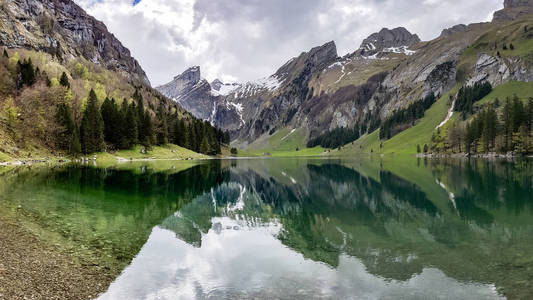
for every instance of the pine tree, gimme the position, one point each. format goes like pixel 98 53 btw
pixel 92 127
pixel 64 80
pixel 75 145
pixel 204 147
pixel 130 127
pixel 26 73
pixel 149 137
pixel 179 133
pixel 529 119
pixel 65 125
pixel 187 138
pixel 162 126
pixel 141 129
pixel 5 53
pixel 520 140
pixel 112 121
pixel 507 125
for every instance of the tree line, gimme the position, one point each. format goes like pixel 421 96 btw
pixel 338 137
pixel 506 128
pixel 113 127
pixel 405 117
pixel 468 95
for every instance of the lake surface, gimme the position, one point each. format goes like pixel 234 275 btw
pixel 402 228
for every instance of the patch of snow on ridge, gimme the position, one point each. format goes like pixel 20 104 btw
pixel 264 84
pixel 333 65
pixel 399 50
pixel 225 89
pixel 213 114
pixel 270 83
pixel 238 108
pixel 342 75
pixel 449 115
pixel 285 137
pixel 369 47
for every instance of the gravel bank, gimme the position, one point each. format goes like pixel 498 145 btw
pixel 31 269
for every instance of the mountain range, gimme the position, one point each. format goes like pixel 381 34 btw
pixel 319 91
pixel 312 95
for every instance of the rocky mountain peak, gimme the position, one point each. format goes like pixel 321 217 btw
pixel 217 84
pixel 316 59
pixel 65 30
pixel 453 30
pixel 190 76
pixel 388 40
pixel 322 54
pixel 514 9
pixel 182 83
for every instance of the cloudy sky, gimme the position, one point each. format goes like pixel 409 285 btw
pixel 242 40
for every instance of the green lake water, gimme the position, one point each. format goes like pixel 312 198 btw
pixel 403 228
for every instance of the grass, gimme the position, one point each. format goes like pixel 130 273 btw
pixel 523 90
pixel 167 152
pixel 282 143
pixel 281 153
pixel 493 40
pixel 406 141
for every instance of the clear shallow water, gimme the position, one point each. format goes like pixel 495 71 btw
pixel 281 228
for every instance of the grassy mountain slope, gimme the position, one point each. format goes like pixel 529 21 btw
pixel 406 141
pixel 284 142
pixel 497 39
pixel 27 114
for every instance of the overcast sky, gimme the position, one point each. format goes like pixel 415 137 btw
pixel 242 40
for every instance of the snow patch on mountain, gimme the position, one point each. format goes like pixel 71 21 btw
pixel 264 84
pixel 399 50
pixel 225 89
pixel 213 114
pixel 238 108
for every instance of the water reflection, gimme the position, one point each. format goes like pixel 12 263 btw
pixel 281 228
pixel 315 229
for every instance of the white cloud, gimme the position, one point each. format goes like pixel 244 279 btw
pixel 248 39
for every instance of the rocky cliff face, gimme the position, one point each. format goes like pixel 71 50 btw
pixel 62 28
pixel 514 9
pixel 181 84
pixel 497 70
pixel 386 40
pixel 319 91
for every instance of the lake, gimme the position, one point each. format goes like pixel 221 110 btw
pixel 392 228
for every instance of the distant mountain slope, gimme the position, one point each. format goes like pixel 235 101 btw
pixel 319 91
pixel 63 29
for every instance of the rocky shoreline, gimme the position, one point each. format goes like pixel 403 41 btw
pixel 493 155
pixel 32 269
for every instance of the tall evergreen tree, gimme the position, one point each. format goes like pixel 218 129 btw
pixel 507 125
pixel 141 129
pixel 5 53
pixel 162 126
pixel 529 118
pixel 130 127
pixel 187 132
pixel 65 125
pixel 92 127
pixel 75 145
pixel 112 122
pixel 204 147
pixel 26 73
pixel 179 133
pixel 64 80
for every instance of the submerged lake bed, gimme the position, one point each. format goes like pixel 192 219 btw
pixel 287 228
